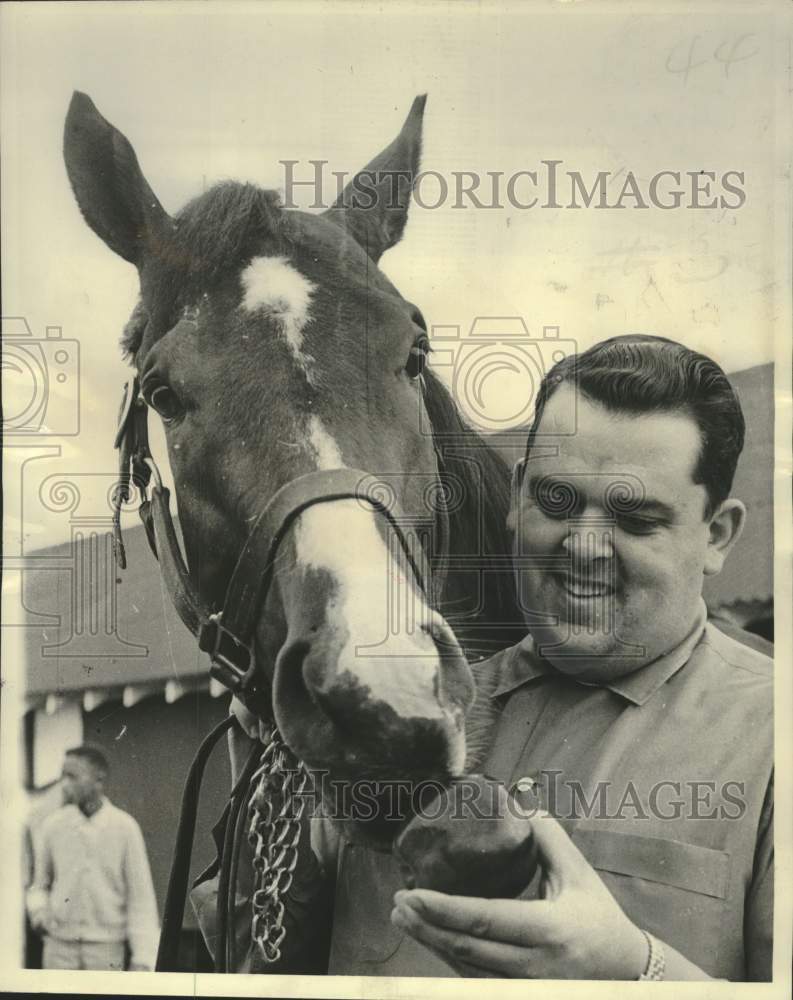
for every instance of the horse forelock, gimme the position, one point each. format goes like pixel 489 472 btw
pixel 223 228
pixel 215 233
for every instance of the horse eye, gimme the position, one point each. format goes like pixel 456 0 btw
pixel 165 401
pixel 417 359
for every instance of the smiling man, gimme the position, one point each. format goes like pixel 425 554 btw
pixel 618 524
pixel 627 716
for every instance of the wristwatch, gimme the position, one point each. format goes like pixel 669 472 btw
pixel 656 959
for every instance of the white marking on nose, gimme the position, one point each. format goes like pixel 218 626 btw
pixel 274 286
pixel 403 666
pixel 326 451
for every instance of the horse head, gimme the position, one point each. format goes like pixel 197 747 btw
pixel 272 346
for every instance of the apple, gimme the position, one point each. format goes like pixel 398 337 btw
pixel 472 839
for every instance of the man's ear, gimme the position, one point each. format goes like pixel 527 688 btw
pixel 725 528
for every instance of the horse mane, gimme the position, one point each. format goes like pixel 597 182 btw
pixel 479 481
pixel 478 525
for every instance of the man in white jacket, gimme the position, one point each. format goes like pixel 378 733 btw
pixel 92 892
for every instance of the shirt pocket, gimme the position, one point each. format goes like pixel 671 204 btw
pixel 676 890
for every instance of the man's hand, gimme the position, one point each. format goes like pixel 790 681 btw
pixel 575 931
pixel 38 909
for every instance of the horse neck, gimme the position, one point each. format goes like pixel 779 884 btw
pixel 479 600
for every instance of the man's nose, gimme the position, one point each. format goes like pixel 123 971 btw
pixel 589 539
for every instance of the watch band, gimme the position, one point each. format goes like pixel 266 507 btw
pixel 656 959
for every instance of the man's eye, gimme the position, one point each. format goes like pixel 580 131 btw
pixel 555 498
pixel 638 525
pixel 164 400
pixel 547 508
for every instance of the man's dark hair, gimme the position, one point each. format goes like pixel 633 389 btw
pixel 638 373
pixel 92 754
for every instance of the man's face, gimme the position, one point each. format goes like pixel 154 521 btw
pixel 610 574
pixel 80 781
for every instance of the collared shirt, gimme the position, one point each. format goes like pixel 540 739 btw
pixel 92 880
pixel 663 778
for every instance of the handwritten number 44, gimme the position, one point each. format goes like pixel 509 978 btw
pixel 728 53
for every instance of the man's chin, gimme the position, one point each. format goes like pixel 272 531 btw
pixel 584 657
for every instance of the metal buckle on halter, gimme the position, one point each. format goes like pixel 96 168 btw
pixel 232 660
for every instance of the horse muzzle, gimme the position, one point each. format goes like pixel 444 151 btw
pixel 392 713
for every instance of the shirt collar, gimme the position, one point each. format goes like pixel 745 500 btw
pixel 100 813
pixel 525 665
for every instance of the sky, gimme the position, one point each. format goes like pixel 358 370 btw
pixel 207 91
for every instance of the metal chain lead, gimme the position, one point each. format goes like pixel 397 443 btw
pixel 274 813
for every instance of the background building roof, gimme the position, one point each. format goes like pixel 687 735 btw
pixel 748 573
pixel 112 628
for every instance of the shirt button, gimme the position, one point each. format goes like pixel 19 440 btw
pixel 527 793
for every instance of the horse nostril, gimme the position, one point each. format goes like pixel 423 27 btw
pixel 305 670
pixel 295 662
pixel 295 705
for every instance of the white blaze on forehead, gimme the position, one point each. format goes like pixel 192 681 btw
pixel 274 286
pixel 325 450
pixel 374 605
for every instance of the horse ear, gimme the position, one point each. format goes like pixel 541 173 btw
pixel 113 195
pixel 374 205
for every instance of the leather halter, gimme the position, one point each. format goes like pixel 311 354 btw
pixel 228 635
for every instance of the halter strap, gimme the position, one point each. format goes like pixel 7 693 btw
pixel 227 636
pixel 173 911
